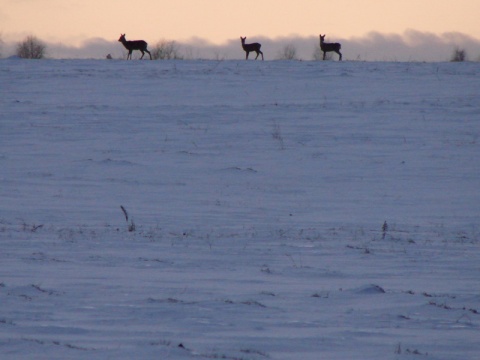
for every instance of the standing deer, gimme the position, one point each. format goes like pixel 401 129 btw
pixel 251 47
pixel 134 45
pixel 327 47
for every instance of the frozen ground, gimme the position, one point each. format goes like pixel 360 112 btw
pixel 280 210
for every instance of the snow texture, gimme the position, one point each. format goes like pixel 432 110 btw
pixel 239 210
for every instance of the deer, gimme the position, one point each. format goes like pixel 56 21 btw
pixel 134 45
pixel 327 47
pixel 251 47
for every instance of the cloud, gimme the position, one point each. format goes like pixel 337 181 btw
pixel 95 48
pixel 409 46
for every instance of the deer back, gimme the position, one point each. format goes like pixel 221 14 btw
pixel 250 47
pixel 133 44
pixel 137 45
pixel 329 46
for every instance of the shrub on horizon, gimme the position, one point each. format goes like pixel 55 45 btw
pixel 166 50
pixel 459 55
pixel 31 48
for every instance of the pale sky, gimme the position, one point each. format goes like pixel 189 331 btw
pixel 74 21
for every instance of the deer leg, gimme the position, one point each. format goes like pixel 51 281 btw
pixel 340 55
pixel 143 53
pixel 129 56
pixel 149 54
pixel 262 55
pixel 324 53
pixel 256 57
pixel 246 55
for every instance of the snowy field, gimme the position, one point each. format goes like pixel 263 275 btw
pixel 276 210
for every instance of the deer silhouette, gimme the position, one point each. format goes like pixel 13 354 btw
pixel 134 45
pixel 251 47
pixel 327 47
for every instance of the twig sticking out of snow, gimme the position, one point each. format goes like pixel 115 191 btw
pixel 384 230
pixel 131 226
pixel 124 213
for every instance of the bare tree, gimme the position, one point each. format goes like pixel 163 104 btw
pixel 288 52
pixel 31 48
pixel 459 55
pixel 166 50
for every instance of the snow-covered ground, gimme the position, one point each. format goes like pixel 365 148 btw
pixel 276 210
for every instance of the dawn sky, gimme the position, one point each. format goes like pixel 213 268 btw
pixel 74 21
